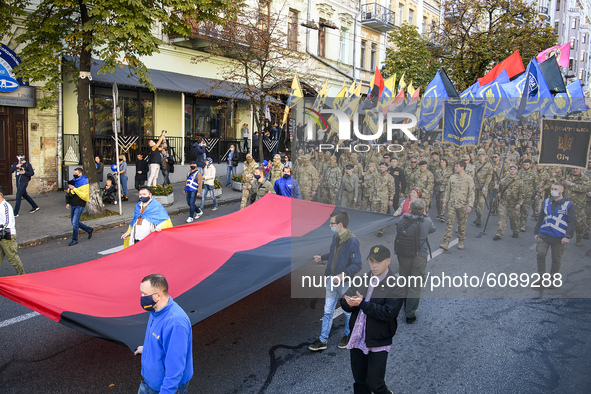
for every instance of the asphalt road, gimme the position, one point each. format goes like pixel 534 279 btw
pixel 503 340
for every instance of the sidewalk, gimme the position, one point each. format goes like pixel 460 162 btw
pixel 52 220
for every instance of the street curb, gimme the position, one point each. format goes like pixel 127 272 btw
pixel 119 223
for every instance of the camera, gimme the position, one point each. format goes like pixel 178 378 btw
pixel 5 233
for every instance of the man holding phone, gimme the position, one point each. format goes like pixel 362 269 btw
pixel 24 172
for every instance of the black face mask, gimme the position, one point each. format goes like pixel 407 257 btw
pixel 76 176
pixel 193 168
pixel 286 176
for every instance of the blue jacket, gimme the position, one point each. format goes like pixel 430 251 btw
pixel 287 187
pixel 167 357
pixel 348 259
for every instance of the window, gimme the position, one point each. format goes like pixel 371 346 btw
pixel 363 47
pixel 571 64
pixel 374 49
pixel 556 25
pixel 424 25
pixel 557 5
pixel 322 39
pixel 581 74
pixel 292 31
pixel 572 43
pixel 344 55
pixel 400 14
pixel 582 56
pixel 573 23
pixel 137 112
pixel 410 17
pixel 264 13
pixel 584 38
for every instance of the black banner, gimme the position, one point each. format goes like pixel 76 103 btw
pixel 565 142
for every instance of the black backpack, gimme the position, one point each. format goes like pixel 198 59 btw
pixel 407 242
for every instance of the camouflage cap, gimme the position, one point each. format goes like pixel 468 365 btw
pixel 277 157
pixel 513 164
pixel 481 152
pixel 248 155
pixel 306 157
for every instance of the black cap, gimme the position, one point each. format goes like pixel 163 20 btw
pixel 20 154
pixel 379 253
pixel 422 163
pixel 194 162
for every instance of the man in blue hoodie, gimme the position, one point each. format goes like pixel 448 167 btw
pixel 343 260
pixel 167 353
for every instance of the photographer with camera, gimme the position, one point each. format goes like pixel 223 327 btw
pixel 8 246
pixel 155 159
pixel 24 172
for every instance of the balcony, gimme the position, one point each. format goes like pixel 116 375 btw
pixel 543 13
pixel 377 17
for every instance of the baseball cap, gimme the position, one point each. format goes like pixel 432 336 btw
pixel 379 253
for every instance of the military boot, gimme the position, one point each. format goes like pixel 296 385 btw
pixel 477 222
pixel 579 240
pixel 461 245
pixel 586 236
pixel 444 245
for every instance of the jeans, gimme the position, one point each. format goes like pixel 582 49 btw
pixel 165 174
pixel 145 389
pixel 123 180
pixel 206 189
pixel 332 297
pixel 75 213
pixel 21 192
pixel 191 197
pixel 230 170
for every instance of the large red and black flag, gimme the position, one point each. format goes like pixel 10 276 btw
pixel 209 265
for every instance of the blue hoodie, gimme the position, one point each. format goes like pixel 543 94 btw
pixel 167 357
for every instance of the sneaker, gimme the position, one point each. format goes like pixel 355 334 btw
pixel 318 345
pixel 198 215
pixel 214 209
pixel 190 219
pixel 442 220
pixel 34 210
pixel 16 216
pixel 344 342
pixel 115 202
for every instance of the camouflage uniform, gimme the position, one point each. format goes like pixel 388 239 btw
pixel 512 157
pixel 425 181
pixel 577 193
pixel 529 179
pixel 482 178
pixel 259 189
pixel 410 174
pixel 459 195
pixel 542 190
pixel 330 182
pixel 368 183
pixel 441 177
pixel 496 171
pixel 349 190
pixel 510 194
pixel 451 161
pixel 345 159
pixel 247 178
pixel 308 179
pixel 382 193
pixel 276 169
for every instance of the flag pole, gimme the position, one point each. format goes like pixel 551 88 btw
pixel 483 232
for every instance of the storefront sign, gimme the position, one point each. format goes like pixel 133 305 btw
pixel 13 91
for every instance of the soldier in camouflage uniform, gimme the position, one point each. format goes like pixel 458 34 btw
pixel 383 192
pixel 297 163
pixel 410 174
pixel 459 197
pixel 482 178
pixel 441 177
pixel 512 155
pixel 345 159
pixel 308 179
pixel 330 182
pixel 276 169
pixel 369 179
pixel 247 177
pixel 349 190
pixel 497 164
pixel 451 160
pixel 529 177
pixel 425 182
pixel 543 184
pixel 576 186
pixel 434 162
pixel 510 200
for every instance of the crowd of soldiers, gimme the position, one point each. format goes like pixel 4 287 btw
pixel 456 180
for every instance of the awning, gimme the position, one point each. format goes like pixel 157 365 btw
pixel 173 82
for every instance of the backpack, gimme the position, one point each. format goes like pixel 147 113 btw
pixel 407 242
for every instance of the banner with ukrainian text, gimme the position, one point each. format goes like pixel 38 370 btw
pixel 462 123
pixel 565 142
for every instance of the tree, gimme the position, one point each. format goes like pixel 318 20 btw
pixel 261 60
pixel 477 34
pixel 70 33
pixel 409 53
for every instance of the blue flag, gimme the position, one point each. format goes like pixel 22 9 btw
pixel 436 93
pixel 536 94
pixel 565 103
pixel 462 123
pixel 494 96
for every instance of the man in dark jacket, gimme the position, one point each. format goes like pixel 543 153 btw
pixel 344 260
pixel 417 265
pixel 374 309
pixel 199 152
pixel 141 171
pixel 24 172
pixel 76 199
pixel 399 182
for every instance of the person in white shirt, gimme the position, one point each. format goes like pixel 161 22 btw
pixel 8 246
pixel 209 183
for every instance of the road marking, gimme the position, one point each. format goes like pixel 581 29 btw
pixel 18 319
pixel 112 250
